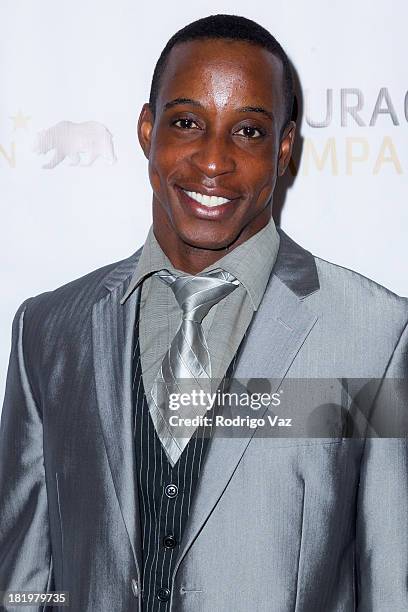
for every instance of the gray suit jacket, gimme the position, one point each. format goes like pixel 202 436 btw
pixel 283 525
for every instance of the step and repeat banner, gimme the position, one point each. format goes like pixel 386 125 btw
pixel 78 72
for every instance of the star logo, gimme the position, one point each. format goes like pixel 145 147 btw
pixel 20 121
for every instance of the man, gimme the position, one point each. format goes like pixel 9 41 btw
pixel 100 496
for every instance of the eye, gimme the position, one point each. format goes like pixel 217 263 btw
pixel 250 132
pixel 185 123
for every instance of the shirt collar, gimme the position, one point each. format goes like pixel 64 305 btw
pixel 152 259
pixel 251 262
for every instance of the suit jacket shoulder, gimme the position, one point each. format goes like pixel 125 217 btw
pixel 76 298
pixel 359 322
pixel 364 310
pixel 339 290
pixel 341 281
pixel 59 322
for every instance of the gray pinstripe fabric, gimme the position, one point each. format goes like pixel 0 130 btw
pixel 188 358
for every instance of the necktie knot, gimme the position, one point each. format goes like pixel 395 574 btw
pixel 196 295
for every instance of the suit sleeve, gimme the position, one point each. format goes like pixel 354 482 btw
pixel 25 552
pixel 382 508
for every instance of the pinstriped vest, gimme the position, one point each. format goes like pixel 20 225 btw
pixel 165 493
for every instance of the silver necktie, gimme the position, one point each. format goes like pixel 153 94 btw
pixel 186 367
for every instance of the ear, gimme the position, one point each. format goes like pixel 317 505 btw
pixel 145 128
pixel 285 147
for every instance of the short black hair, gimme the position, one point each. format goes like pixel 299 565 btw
pixel 229 27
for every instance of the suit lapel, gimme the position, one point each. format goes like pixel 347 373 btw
pixel 276 334
pixel 112 329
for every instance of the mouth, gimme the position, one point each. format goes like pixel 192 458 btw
pixel 206 200
pixel 216 205
pixel 218 197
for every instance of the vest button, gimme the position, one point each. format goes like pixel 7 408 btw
pixel 169 541
pixel 135 587
pixel 171 490
pixel 163 594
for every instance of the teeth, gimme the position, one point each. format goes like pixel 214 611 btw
pixel 205 199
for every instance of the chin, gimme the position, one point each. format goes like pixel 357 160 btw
pixel 207 237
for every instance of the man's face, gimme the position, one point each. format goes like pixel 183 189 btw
pixel 214 147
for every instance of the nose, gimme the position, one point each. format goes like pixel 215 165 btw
pixel 213 156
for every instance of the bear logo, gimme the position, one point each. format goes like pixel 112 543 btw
pixel 67 139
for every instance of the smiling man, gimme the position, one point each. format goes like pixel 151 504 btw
pixel 100 495
pixel 217 132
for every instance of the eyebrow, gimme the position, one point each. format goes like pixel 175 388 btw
pixel 257 109
pixel 243 109
pixel 178 101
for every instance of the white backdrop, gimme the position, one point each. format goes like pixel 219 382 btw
pixel 92 60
